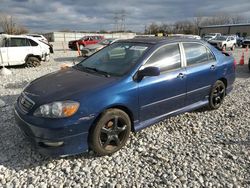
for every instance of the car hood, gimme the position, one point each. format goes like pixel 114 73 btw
pixel 65 84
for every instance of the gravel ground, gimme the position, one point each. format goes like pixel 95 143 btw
pixel 197 149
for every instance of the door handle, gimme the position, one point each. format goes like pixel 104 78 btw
pixel 212 67
pixel 180 75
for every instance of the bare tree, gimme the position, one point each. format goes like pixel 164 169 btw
pixel 10 26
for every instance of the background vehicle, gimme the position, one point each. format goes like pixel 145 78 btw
pixel 18 50
pixel 246 42
pixel 38 37
pixel 92 48
pixel 224 42
pixel 211 36
pixel 127 86
pixel 87 40
pixel 239 41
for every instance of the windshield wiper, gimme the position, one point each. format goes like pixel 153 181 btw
pixel 90 69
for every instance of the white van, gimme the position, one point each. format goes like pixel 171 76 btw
pixel 19 50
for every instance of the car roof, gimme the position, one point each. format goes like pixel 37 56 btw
pixel 160 40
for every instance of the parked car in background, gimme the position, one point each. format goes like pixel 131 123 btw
pixel 38 37
pixel 224 42
pixel 92 48
pixel 127 86
pixel 246 42
pixel 19 50
pixel 211 36
pixel 84 41
pixel 42 39
pixel 239 41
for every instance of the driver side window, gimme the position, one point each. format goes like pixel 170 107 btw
pixel 166 58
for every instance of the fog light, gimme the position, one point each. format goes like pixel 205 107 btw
pixel 53 144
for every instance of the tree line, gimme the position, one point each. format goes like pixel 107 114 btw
pixel 10 25
pixel 192 26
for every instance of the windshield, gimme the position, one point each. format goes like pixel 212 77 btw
pixel 114 60
pixel 221 38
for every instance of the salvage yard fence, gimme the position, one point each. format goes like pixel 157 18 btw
pixel 67 36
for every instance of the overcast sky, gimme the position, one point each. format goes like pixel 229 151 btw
pixel 94 15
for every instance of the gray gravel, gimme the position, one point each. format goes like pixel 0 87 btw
pixel 197 149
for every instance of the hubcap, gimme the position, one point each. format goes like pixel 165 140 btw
pixel 113 133
pixel 218 95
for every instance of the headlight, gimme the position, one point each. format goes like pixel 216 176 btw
pixel 59 109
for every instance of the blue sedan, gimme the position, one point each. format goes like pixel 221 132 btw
pixel 124 87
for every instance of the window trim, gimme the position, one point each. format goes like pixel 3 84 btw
pixel 185 59
pixel 181 57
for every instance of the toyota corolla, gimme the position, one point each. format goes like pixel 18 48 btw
pixel 124 87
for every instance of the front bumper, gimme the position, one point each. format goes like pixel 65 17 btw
pixel 72 144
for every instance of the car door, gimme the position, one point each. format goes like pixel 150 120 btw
pixel 18 48
pixel 163 94
pixel 200 71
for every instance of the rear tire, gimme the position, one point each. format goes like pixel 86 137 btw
pixel 110 133
pixel 32 62
pixel 217 95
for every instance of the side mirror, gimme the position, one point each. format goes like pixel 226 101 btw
pixel 148 71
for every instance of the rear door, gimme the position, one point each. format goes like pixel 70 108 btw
pixel 163 94
pixel 18 48
pixel 201 71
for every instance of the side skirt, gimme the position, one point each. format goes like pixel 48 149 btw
pixel 139 126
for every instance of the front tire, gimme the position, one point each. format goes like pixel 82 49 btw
pixel 217 95
pixel 32 62
pixel 233 47
pixel 110 133
pixel 224 47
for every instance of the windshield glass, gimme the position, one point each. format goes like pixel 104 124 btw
pixel 221 38
pixel 114 60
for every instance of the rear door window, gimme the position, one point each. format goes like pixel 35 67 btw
pixel 18 42
pixel 197 53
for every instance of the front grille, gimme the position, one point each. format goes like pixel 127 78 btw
pixel 25 103
pixel 246 42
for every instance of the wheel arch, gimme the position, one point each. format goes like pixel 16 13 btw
pixel 32 55
pixel 120 107
pixel 224 80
